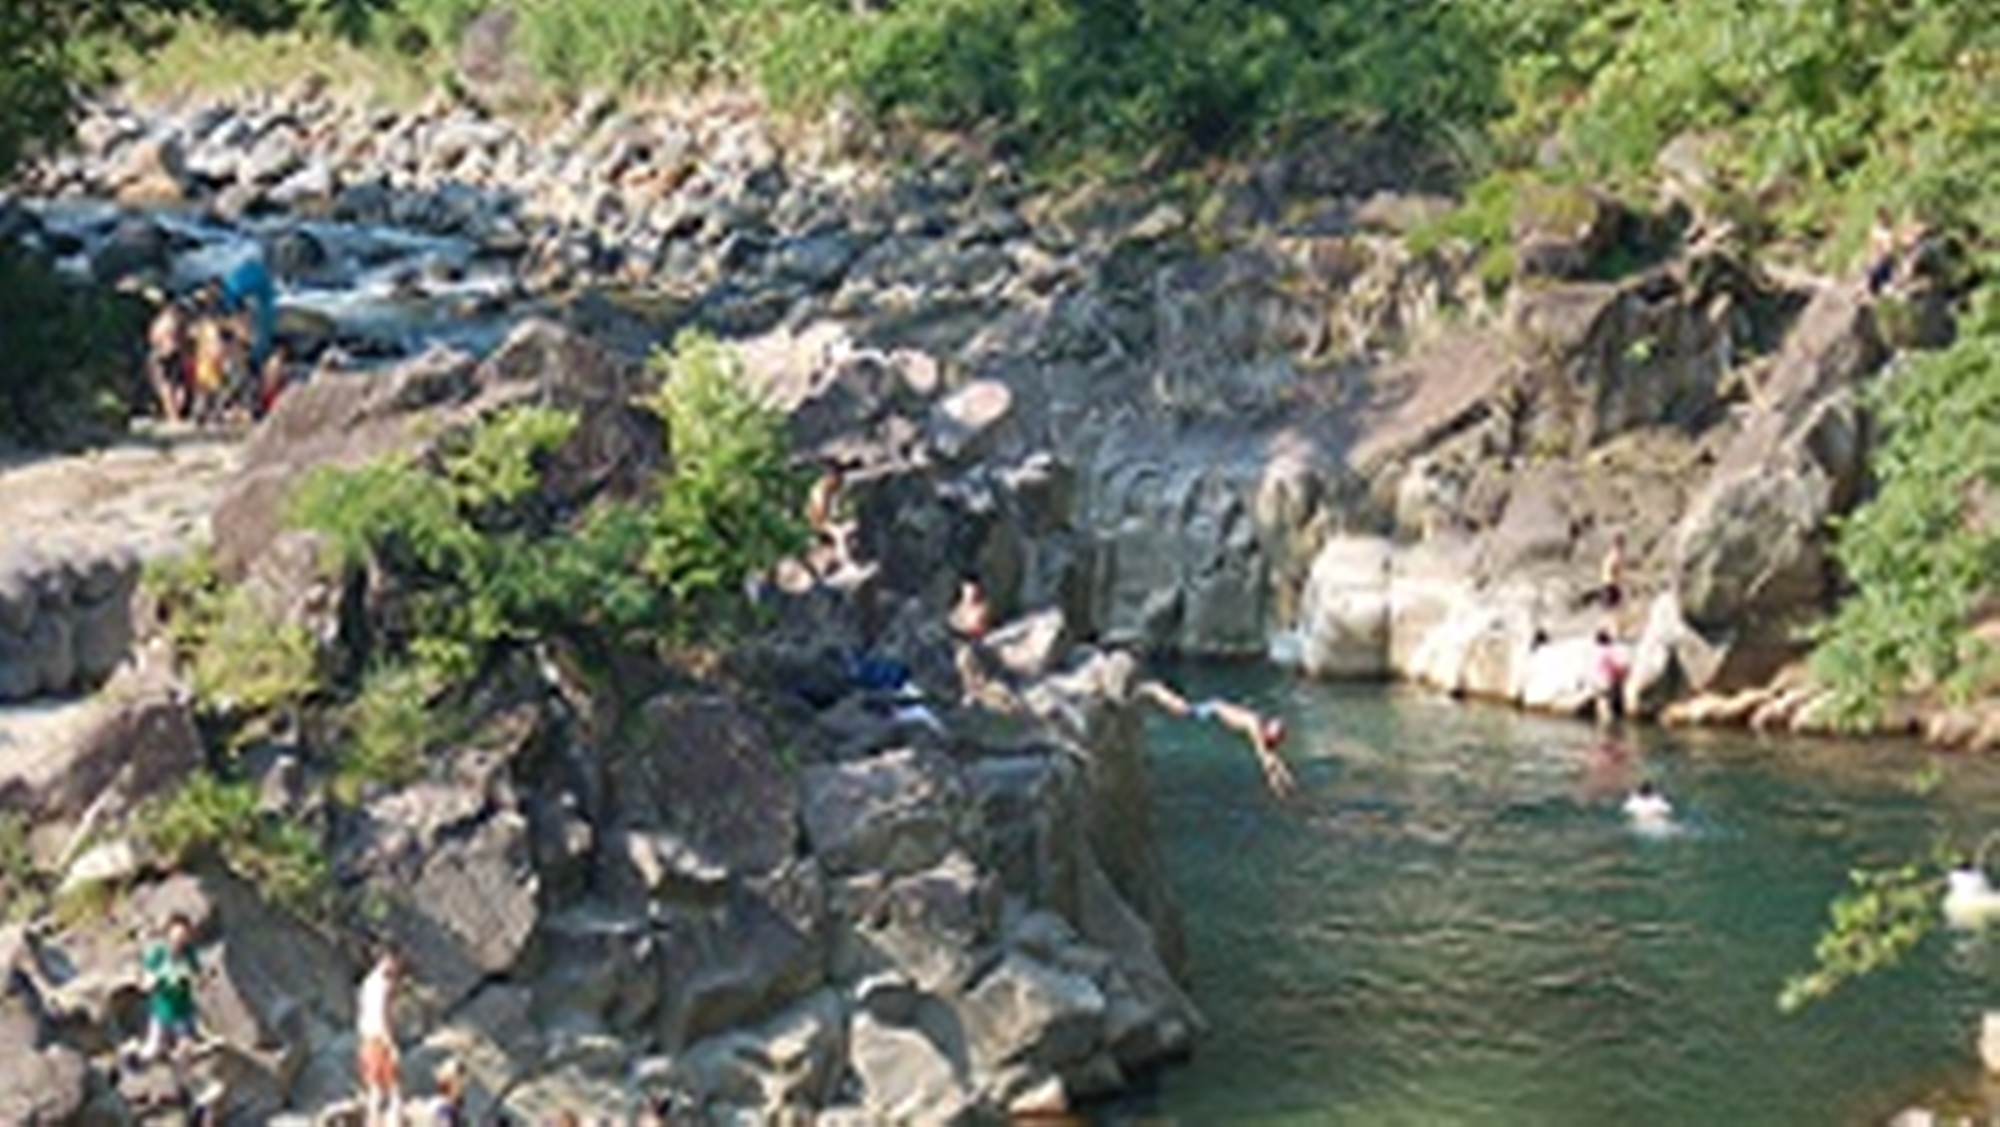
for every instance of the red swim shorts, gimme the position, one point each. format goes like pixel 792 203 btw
pixel 376 1061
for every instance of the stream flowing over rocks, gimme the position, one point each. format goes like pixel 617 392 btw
pixel 1254 421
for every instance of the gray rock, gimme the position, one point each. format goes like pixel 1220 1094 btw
pixel 1344 615
pixel 792 1062
pixel 276 153
pixel 295 254
pixel 927 927
pixel 965 423
pixel 682 754
pixel 308 191
pixel 135 245
pixel 819 259
pixel 1026 1012
pixel 52 646
pixel 905 1076
pixel 894 813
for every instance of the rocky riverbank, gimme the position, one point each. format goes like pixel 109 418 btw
pixel 1275 419
pixel 1197 418
pixel 758 894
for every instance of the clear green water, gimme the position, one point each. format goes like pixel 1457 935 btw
pixel 1453 924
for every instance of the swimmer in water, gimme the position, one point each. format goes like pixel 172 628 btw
pixel 1646 806
pixel 1969 898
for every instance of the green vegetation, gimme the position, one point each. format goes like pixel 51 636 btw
pixel 240 658
pixel 477 559
pixel 20 883
pixel 1882 917
pixel 393 722
pixel 730 508
pixel 1924 553
pixel 58 380
pixel 1066 82
pixel 212 818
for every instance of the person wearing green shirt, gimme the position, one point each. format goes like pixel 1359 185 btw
pixel 170 971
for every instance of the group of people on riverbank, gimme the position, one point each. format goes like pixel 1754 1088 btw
pixel 212 354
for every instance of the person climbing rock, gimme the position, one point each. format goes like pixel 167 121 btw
pixel 170 970
pixel 831 533
pixel 1264 733
pixel 376 1058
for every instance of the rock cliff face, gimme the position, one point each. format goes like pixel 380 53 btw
pixel 719 897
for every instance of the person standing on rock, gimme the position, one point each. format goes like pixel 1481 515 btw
pixel 247 289
pixel 1611 575
pixel 170 969
pixel 376 1058
pixel 167 358
pixel 208 375
pixel 1264 733
pixel 1611 668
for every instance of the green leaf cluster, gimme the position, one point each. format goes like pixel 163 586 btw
pixel 1924 552
pixel 1881 917
pixel 477 557
pixel 211 817
pixel 1820 111
pixel 241 658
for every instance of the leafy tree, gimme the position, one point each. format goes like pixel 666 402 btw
pixel 729 509
pixel 1924 552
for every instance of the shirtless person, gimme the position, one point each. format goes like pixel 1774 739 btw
pixel 167 358
pixel 1264 733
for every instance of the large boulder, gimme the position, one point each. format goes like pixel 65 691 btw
pixel 893 813
pixel 794 1061
pixel 1344 613
pixel 1750 558
pixel 345 419
pixel 135 245
pixel 906 1075
pixel 90 762
pixel 701 773
pixel 450 868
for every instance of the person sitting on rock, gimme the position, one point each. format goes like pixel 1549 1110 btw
pixel 823 503
pixel 972 616
pixel 376 1058
pixel 1264 733
pixel 167 358
pixel 447 1106
pixel 170 970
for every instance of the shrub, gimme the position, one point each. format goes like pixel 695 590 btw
pixel 208 817
pixel 391 724
pixel 69 362
pixel 729 509
pixel 248 662
pixel 1922 555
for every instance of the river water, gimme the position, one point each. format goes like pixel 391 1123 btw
pixel 1454 925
